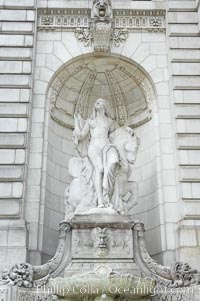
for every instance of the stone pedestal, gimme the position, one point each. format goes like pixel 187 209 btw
pixel 102 242
pixel 102 260
pixel 99 257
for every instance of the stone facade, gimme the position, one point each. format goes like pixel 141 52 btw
pixel 17 43
pixel 38 45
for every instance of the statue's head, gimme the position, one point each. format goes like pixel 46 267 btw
pixel 101 104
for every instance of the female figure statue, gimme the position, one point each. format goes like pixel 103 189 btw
pixel 102 154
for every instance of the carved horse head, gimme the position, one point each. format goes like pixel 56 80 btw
pixel 126 142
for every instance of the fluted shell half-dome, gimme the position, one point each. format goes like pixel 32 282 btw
pixel 76 86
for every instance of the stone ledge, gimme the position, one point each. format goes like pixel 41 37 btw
pixel 22 4
pixel 106 220
pixel 11 173
pixel 10 208
pixel 12 141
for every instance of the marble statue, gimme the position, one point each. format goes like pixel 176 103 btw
pixel 102 171
pixel 109 249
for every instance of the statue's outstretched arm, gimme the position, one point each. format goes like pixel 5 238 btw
pixel 80 135
pixel 85 130
pixel 81 128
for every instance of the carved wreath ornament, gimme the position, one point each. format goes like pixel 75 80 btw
pixel 20 275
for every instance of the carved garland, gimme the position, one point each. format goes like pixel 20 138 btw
pixel 177 275
pixel 118 97
pixel 139 80
pixel 85 93
pixel 25 275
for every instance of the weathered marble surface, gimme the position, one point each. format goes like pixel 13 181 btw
pixel 181 105
pixel 101 173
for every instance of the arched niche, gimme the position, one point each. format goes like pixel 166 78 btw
pixel 78 83
pixel 131 95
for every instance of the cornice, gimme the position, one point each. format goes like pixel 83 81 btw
pixel 73 18
pixel 87 11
